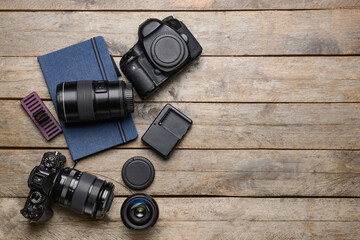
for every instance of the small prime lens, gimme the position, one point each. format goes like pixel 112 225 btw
pixel 83 192
pixel 88 101
pixel 139 211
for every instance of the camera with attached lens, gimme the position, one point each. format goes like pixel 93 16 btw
pixel 163 49
pixel 81 191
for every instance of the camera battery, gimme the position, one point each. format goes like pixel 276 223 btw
pixel 41 116
pixel 167 130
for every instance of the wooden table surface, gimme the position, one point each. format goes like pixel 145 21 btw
pixel 275 100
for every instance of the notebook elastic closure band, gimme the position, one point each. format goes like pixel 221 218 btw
pixel 103 74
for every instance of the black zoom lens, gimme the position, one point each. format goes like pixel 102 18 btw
pixel 83 192
pixel 139 211
pixel 88 101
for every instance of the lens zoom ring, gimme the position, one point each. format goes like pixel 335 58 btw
pixel 85 103
pixel 82 191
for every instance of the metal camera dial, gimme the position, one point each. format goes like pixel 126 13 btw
pixel 49 162
pixel 36 197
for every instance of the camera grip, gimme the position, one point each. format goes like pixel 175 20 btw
pixel 139 78
pixel 37 207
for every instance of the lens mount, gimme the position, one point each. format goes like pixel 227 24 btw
pixel 139 211
pixel 129 97
pixel 167 50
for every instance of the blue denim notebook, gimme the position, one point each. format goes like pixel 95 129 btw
pixel 89 60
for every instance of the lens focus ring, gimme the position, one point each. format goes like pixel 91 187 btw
pixel 91 203
pixel 78 200
pixel 85 100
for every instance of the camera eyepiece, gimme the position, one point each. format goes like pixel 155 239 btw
pixel 139 211
pixel 88 101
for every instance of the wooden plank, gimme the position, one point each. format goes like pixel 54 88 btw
pixel 208 172
pixel 174 5
pixel 254 79
pixel 194 218
pixel 334 32
pixel 295 126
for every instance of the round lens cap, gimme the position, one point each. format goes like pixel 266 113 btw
pixel 138 173
pixel 167 50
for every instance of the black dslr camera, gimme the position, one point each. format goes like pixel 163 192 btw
pixel 163 49
pixel 81 191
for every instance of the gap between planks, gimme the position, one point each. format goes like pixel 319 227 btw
pixel 178 10
pixel 220 196
pixel 343 55
pixel 203 102
pixel 189 149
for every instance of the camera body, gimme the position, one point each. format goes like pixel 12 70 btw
pixel 41 181
pixel 163 49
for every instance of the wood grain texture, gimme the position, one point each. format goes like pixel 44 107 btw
pixel 220 33
pixel 295 126
pixel 224 79
pixel 174 5
pixel 209 172
pixel 194 218
pixel 264 128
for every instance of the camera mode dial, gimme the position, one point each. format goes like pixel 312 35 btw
pixel 49 161
pixel 36 197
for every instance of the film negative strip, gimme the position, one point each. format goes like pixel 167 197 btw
pixel 41 116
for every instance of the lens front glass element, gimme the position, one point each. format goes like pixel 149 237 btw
pixel 139 211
